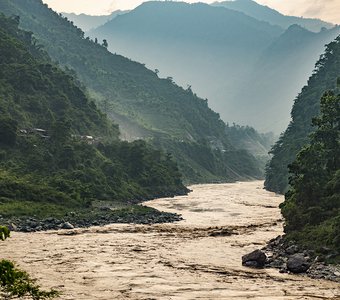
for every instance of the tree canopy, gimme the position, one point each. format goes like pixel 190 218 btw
pixel 312 205
pixel 305 108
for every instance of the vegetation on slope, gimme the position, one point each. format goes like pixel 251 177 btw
pixel 57 150
pixel 144 105
pixel 306 107
pixel 312 205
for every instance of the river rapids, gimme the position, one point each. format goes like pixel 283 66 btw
pixel 197 258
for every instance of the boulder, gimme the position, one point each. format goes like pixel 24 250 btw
pixel 67 225
pixel 13 227
pixel 292 249
pixel 297 263
pixel 255 259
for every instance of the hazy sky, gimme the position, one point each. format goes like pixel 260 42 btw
pixel 328 10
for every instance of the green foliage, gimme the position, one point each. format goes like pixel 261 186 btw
pixel 15 283
pixel 4 233
pixel 61 152
pixel 305 108
pixel 145 106
pixel 312 205
pixel 8 129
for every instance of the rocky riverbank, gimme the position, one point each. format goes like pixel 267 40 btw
pixel 136 214
pixel 288 257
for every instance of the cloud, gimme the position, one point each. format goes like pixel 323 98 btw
pixel 327 10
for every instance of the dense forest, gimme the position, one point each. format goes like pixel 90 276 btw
pixel 143 105
pixel 312 205
pixel 57 150
pixel 306 107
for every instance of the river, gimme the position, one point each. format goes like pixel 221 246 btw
pixel 197 258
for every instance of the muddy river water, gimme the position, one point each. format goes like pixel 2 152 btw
pixel 197 258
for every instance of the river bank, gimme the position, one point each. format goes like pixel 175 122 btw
pixel 137 214
pixel 198 257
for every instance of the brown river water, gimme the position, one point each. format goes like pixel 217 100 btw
pixel 197 258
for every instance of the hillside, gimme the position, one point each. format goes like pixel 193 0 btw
pixel 88 22
pixel 265 13
pixel 58 152
pixel 142 104
pixel 312 205
pixel 223 54
pixel 306 107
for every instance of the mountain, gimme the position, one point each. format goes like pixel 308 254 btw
pixel 222 54
pixel 278 75
pixel 267 14
pixel 312 205
pixel 88 22
pixel 58 152
pixel 306 107
pixel 144 105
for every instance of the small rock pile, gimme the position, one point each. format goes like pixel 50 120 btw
pixel 289 258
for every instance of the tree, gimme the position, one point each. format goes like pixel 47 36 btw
pixel 105 44
pixel 8 128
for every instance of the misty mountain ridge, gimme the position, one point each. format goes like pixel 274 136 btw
pixel 88 22
pixel 280 72
pixel 272 16
pixel 221 54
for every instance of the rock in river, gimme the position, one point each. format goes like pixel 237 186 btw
pixel 67 225
pixel 255 259
pixel 297 263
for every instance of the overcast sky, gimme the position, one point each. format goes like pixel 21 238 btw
pixel 328 10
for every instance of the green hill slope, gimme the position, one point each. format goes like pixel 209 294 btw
pixel 142 104
pixel 58 152
pixel 305 108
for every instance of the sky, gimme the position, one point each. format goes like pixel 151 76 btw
pixel 327 10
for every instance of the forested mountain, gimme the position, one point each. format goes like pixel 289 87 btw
pixel 57 150
pixel 265 13
pixel 145 106
pixel 306 107
pixel 223 54
pixel 312 205
pixel 88 22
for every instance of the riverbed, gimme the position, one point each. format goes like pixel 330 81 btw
pixel 197 258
